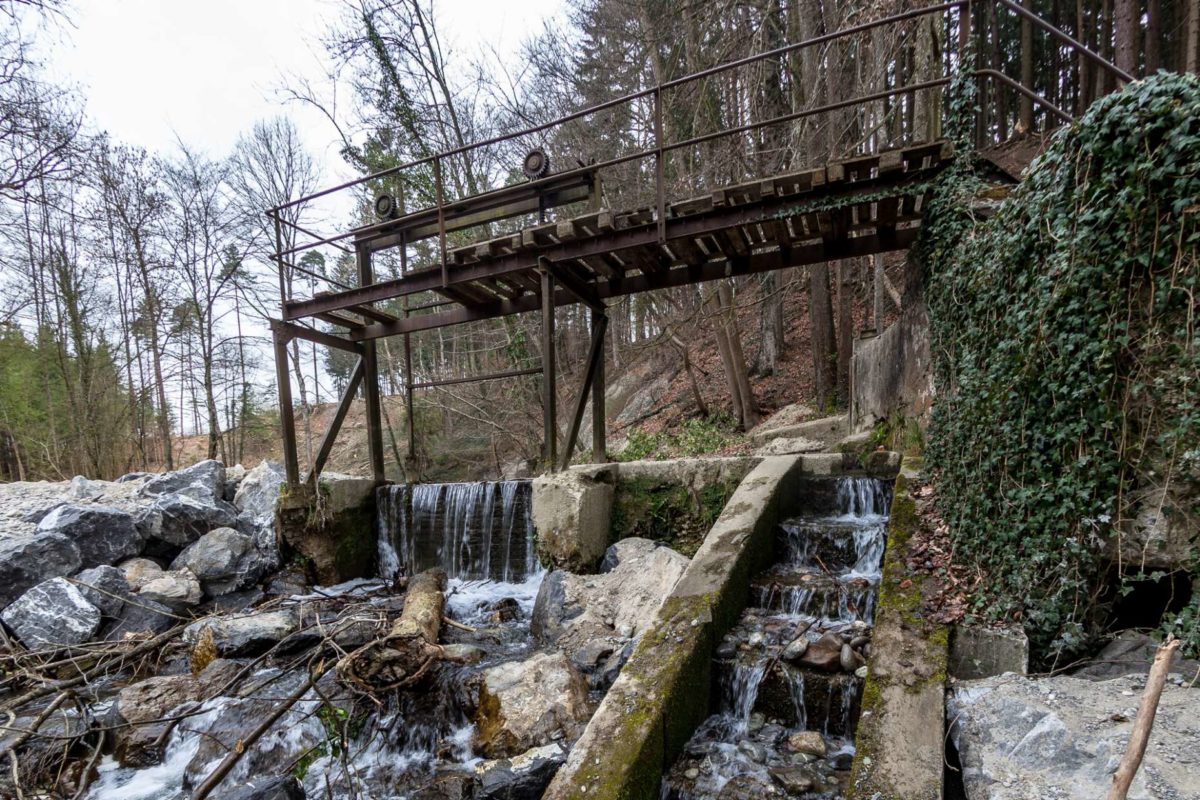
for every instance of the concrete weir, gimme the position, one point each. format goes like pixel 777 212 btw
pixel 663 692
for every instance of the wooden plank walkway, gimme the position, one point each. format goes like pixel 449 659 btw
pixel 856 207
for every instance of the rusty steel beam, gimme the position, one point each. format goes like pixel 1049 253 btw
pixel 595 358
pixel 642 235
pixel 599 425
pixel 489 376
pixel 796 255
pixel 287 415
pixel 335 425
pixel 549 372
pixel 294 331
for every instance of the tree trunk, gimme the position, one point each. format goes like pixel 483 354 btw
pixel 1026 103
pixel 845 328
pixel 741 375
pixel 403 658
pixel 824 349
pixel 1125 21
pixel 771 326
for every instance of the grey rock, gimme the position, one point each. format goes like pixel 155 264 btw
pixel 176 588
pixel 233 479
pixel 530 703
pixel 204 481
pixel 103 535
pixel 522 777
pixel 140 571
pixel 140 617
pixel 1063 737
pixel 224 561
pixel 29 560
pixel 54 612
pixel 104 587
pixel 284 787
pixel 259 489
pixel 180 519
pixel 138 711
pixel 245 634
pixel 130 477
pixel 795 650
pixel 571 611
pixel 1130 653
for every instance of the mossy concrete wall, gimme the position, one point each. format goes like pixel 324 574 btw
pixel 331 530
pixel 900 737
pixel 663 693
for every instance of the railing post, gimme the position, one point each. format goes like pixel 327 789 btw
pixel 659 189
pixel 441 209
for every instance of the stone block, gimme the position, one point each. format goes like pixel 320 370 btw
pixel 571 513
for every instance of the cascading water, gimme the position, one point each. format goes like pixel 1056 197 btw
pixel 482 535
pixel 791 671
pixel 474 531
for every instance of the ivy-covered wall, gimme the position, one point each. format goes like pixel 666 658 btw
pixel 1066 358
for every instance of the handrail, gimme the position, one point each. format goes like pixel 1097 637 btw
pixel 1065 37
pixel 659 148
pixel 629 98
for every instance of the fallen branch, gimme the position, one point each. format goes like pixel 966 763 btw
pixel 406 655
pixel 230 761
pixel 1140 737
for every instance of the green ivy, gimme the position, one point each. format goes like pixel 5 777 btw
pixel 1065 355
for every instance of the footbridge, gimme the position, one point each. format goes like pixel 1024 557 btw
pixel 619 226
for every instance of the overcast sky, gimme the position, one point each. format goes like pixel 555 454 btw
pixel 152 70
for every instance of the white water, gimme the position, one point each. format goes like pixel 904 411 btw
pixel 481 530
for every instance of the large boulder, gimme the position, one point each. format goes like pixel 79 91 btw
pixel 1131 653
pixel 177 588
pixel 204 481
pixel 522 777
pixel 283 787
pixel 224 561
pixel 571 512
pixel 180 519
pixel 1063 737
pixel 140 709
pixel 530 703
pixel 258 491
pixel 104 587
pixel 28 560
pixel 572 612
pixel 103 535
pixel 245 634
pixel 139 619
pixel 54 612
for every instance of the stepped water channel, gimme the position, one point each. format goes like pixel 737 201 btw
pixel 791 671
pixel 481 534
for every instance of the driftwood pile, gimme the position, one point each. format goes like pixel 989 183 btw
pixel 37 685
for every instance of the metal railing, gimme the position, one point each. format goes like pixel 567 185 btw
pixel 660 147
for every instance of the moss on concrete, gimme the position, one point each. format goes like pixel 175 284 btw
pixel 668 511
pixel 333 546
pixel 925 650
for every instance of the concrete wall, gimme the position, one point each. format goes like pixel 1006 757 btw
pixel 892 373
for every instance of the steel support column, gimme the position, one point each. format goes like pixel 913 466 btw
pixel 549 374
pixel 335 425
pixel 287 415
pixel 599 429
pixel 370 362
pixel 595 358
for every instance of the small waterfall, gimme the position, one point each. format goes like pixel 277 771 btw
pixel 819 596
pixel 474 531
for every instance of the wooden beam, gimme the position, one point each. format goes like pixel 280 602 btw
pixel 320 337
pixel 339 416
